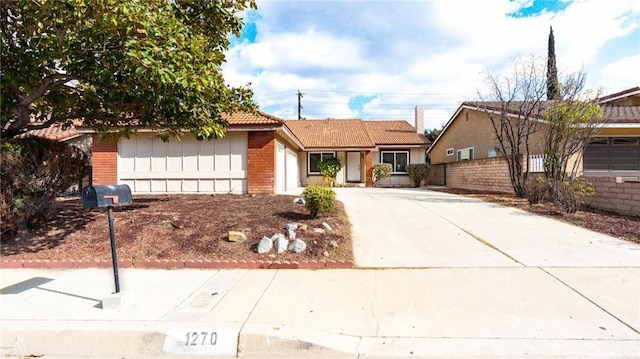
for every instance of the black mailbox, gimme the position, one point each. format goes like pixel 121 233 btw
pixel 106 196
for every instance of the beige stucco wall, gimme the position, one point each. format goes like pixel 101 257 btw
pixel 472 128
pixel 341 178
pixel 416 155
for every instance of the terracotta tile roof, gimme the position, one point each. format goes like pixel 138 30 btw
pixel 622 114
pixel 354 133
pixel 242 118
pixel 612 113
pixel 54 132
pixel 394 133
pixel 331 133
pixel 617 95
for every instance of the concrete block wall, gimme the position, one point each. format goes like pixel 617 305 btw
pixel 436 175
pixel 104 155
pixel 614 194
pixel 261 162
pixel 487 174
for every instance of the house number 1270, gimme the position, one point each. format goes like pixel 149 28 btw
pixel 201 338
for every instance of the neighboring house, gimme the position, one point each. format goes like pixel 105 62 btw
pixel 466 154
pixel 615 151
pixel 259 154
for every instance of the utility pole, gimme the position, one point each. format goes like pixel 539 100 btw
pixel 300 96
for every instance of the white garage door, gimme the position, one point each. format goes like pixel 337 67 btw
pixel 281 168
pixel 149 165
pixel 292 170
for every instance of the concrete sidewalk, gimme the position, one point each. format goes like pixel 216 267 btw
pixel 483 287
pixel 445 312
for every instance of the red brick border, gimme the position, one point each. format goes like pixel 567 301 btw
pixel 177 264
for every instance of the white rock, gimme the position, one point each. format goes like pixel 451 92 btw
pixel 280 244
pixel 319 230
pixel 326 226
pixel 265 245
pixel 297 246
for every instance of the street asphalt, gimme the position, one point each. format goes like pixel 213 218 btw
pixel 439 276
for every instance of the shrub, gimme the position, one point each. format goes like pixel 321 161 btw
pixel 418 172
pixel 573 194
pixel 319 200
pixel 381 171
pixel 537 189
pixel 34 170
pixel 329 169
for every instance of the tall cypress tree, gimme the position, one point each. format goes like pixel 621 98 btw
pixel 552 70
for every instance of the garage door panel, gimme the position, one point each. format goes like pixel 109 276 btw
pixel 222 185
pixel 190 155
pixel 292 169
pixel 159 185
pixel 149 165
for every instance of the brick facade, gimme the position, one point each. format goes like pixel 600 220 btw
pixel 104 162
pixel 368 165
pixel 612 194
pixel 261 162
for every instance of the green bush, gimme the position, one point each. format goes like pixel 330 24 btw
pixel 537 189
pixel 381 171
pixel 34 170
pixel 319 200
pixel 573 194
pixel 329 169
pixel 418 172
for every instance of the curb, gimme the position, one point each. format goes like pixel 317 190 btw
pixel 178 264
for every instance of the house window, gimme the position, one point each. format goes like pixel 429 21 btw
pixel 465 154
pixel 625 141
pixel 599 141
pixel 316 157
pixel 397 159
pixel 449 151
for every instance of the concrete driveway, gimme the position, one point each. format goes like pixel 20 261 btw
pixel 416 228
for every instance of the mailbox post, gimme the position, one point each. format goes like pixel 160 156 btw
pixel 108 196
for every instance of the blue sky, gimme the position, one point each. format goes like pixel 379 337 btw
pixel 378 59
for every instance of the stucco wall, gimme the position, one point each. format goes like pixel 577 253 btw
pixel 472 128
pixel 416 155
pixel 614 194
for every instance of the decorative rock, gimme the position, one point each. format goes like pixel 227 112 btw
pixel 280 244
pixel 299 200
pixel 237 236
pixel 333 244
pixel 325 253
pixel 293 226
pixel 326 226
pixel 303 227
pixel 276 236
pixel 319 231
pixel 297 246
pixel 291 234
pixel 265 245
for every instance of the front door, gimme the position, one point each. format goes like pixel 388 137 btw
pixel 353 167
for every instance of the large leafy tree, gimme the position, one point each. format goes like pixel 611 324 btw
pixel 119 65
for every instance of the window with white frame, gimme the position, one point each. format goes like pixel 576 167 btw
pixel 465 154
pixel 397 159
pixel 625 141
pixel 450 151
pixel 316 157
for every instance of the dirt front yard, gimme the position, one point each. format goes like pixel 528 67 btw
pixel 181 227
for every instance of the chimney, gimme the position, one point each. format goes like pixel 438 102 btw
pixel 419 119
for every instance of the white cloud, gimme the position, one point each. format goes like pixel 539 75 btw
pixel 431 53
